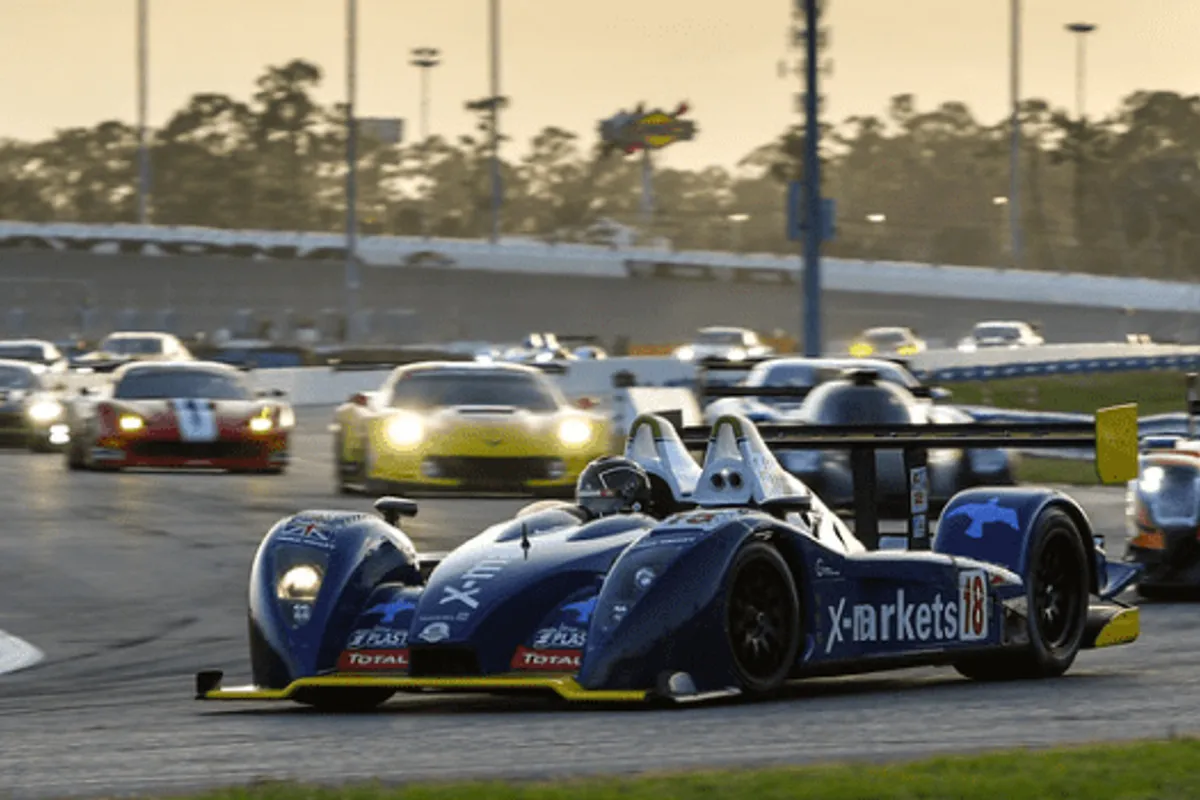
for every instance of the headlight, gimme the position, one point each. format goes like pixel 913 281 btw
pixel 260 424
pixel 405 430
pixel 907 350
pixel 129 422
pixel 861 349
pixel 299 584
pixel 287 417
pixel 685 353
pixel 45 410
pixel 737 354
pixel 1152 479
pixel 574 432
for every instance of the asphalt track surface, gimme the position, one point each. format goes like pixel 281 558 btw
pixel 461 304
pixel 130 583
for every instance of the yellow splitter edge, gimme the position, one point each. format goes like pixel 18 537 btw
pixel 208 687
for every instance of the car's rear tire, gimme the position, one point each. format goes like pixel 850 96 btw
pixel 762 618
pixel 1057 596
pixel 343 700
pixel 75 456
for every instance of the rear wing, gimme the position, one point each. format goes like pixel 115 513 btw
pixel 1114 435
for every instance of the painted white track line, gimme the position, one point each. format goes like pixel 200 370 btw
pixel 17 653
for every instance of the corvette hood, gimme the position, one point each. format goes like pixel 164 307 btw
pixel 498 431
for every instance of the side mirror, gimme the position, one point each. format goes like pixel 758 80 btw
pixel 393 508
pixel 359 399
pixel 86 391
pixel 270 393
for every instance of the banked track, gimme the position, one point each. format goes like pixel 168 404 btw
pixel 130 583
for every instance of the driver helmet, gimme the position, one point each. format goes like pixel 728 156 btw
pixel 613 485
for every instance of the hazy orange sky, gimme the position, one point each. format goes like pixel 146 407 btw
pixel 570 62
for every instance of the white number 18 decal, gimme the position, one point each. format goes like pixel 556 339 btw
pixel 972 605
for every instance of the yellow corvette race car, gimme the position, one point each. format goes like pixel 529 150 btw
pixel 465 426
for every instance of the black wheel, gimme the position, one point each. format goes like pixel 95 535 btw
pixel 343 700
pixel 75 460
pixel 1057 596
pixel 342 474
pixel 762 617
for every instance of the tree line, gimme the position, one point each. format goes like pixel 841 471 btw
pixel 1113 195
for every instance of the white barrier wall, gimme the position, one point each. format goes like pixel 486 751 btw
pixel 530 256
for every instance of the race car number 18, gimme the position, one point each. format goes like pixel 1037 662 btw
pixel 972 605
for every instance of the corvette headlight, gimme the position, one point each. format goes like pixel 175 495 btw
pixel 1152 479
pixel 130 422
pixel 574 432
pixel 287 417
pixel 299 584
pixel 861 349
pixel 405 430
pixel 45 410
pixel 685 353
pixel 260 424
pixel 737 354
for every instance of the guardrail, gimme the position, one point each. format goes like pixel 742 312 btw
pixel 530 256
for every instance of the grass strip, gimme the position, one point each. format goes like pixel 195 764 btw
pixel 1158 770
pixel 1157 392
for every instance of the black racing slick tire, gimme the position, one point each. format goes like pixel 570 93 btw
pixel 762 618
pixel 343 701
pixel 75 456
pixel 1057 596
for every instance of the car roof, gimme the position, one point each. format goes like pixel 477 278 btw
pixel 16 363
pixel 177 366
pixel 481 367
pixel 889 329
pixel 1015 323
pixel 724 329
pixel 139 335
pixel 25 342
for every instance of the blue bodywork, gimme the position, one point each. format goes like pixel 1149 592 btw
pixel 620 602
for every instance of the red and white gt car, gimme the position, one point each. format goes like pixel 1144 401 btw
pixel 193 414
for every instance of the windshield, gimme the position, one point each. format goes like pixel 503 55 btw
pixel 734 338
pixel 23 352
pixel 886 337
pixel 170 384
pixel 132 345
pixel 997 332
pixel 16 378
pixel 839 404
pixel 783 375
pixel 424 390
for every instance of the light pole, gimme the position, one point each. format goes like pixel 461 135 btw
pixel 425 59
pixel 1081 30
pixel 352 279
pixel 1014 200
pixel 143 55
pixel 738 220
pixel 494 38
pixel 812 185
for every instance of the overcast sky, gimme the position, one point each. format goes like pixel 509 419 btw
pixel 571 62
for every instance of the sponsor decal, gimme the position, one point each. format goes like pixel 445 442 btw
pixel 823 570
pixel 561 637
pixel 664 541
pixel 377 639
pixel 373 660
pixel 583 609
pixel 918 495
pixel 196 420
pixel 964 618
pixel 468 591
pixel 314 530
pixel 434 633
pixel 546 660
pixel 388 611
pixel 981 514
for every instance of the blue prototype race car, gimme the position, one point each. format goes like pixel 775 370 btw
pixel 738 580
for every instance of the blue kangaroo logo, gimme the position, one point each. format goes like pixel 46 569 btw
pixel 981 514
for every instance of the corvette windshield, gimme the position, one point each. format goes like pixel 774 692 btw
pixel 169 384
pixel 733 338
pixel 132 345
pixel 441 389
pixel 22 352
pixel 784 375
pixel 16 378
pixel 886 337
pixel 838 404
pixel 997 332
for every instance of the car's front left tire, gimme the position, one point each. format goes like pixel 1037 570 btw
pixel 762 618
